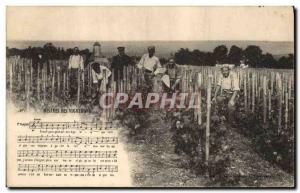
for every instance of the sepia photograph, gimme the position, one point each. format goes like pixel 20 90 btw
pixel 150 96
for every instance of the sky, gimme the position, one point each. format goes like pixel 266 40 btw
pixel 150 23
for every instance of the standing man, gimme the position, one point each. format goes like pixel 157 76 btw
pixel 76 66
pixel 149 63
pixel 228 87
pixel 118 63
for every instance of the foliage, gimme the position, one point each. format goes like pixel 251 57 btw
pixel 252 56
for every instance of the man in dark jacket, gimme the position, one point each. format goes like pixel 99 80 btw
pixel 118 63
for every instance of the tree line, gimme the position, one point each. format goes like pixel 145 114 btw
pixel 252 56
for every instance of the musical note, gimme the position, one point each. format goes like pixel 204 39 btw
pixel 67 139
pixel 66 168
pixel 66 154
pixel 86 126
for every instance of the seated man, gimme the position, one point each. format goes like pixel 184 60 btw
pixel 227 87
pixel 173 71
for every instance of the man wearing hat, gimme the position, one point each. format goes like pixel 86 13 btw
pixel 118 63
pixel 76 66
pixel 228 87
pixel 149 63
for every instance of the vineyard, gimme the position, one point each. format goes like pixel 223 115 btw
pixel 201 138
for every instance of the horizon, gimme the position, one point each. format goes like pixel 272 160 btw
pixel 164 48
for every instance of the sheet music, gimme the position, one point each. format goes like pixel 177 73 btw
pixel 66 150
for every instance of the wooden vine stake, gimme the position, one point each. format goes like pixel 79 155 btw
pixel 199 111
pixel 11 64
pixel 270 104
pixel 265 99
pixel 207 132
pixel 27 82
pixel 43 82
pixel 20 74
pixel 31 74
pixel 83 81
pixel 290 88
pixel 78 84
pixel 253 92
pixel 245 93
pixel 64 83
pixel 67 81
pixel 279 95
pixel 286 110
pixel 58 80
pixel 249 90
pixel 89 77
pixel 38 81
pixel 52 86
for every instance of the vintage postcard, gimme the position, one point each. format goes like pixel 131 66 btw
pixel 150 97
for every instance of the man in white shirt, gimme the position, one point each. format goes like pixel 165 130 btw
pixel 76 66
pixel 100 76
pixel 149 63
pixel 228 86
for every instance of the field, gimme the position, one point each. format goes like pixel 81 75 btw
pixel 256 149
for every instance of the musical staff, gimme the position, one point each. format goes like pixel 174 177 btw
pixel 66 168
pixel 67 139
pixel 85 126
pixel 45 155
pixel 67 154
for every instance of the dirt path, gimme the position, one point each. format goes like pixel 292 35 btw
pixel 153 162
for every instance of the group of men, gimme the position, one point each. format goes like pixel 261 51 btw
pixel 227 85
pixel 102 69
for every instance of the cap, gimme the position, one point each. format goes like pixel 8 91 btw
pixel 151 47
pixel 96 44
pixel 171 60
pixel 225 66
pixel 121 48
pixel 229 66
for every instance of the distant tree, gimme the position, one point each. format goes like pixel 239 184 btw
pixel 268 61
pixel 183 56
pixel 286 62
pixel 253 55
pixel 235 55
pixel 14 51
pixel 220 53
pixel 210 59
pixel 198 58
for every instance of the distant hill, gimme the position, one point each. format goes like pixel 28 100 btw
pixel 163 48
